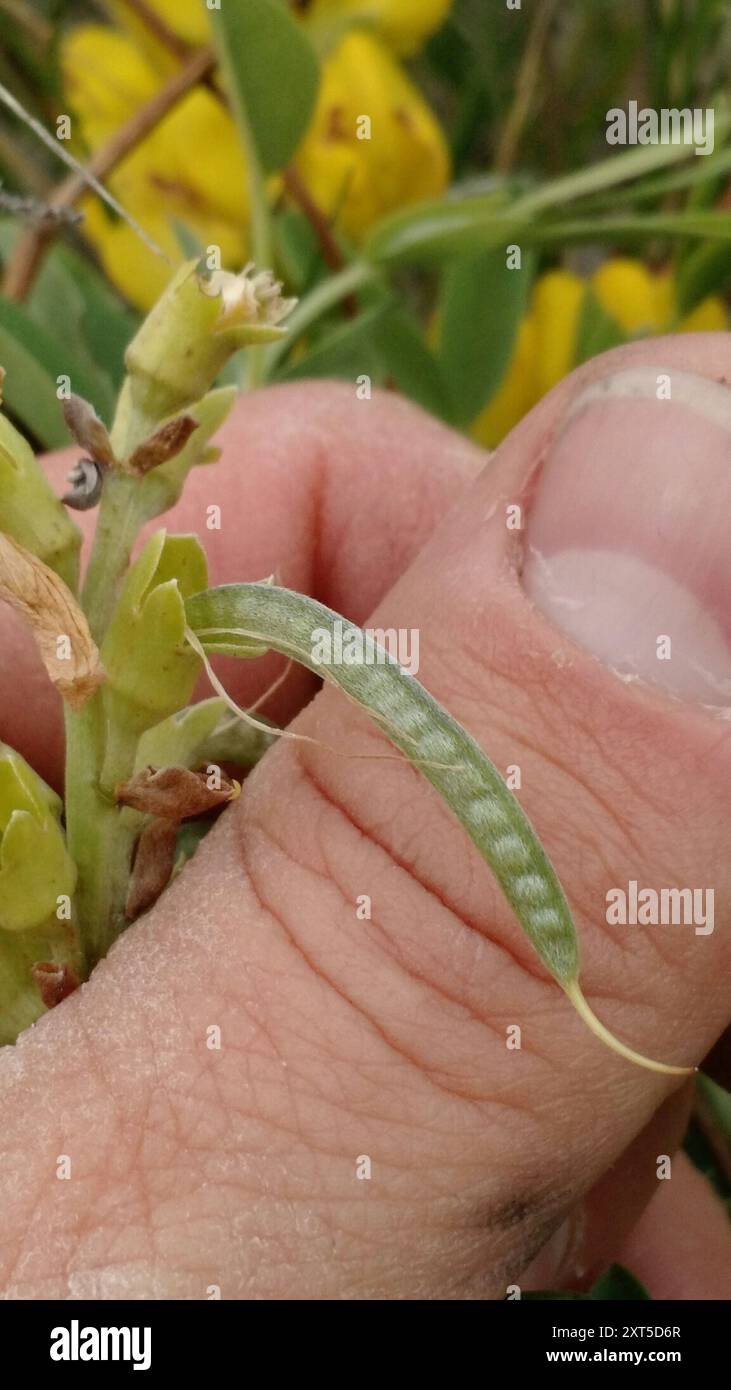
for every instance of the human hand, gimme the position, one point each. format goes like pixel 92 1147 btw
pixel 194 1168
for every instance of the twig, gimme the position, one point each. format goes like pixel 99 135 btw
pixel 35 209
pixel 525 86
pixel 331 253
pixel 159 29
pixel 28 253
pixel 38 29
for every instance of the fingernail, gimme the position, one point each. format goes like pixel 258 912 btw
pixel 627 538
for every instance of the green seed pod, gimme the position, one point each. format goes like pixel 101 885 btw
pixel 29 510
pixel 35 866
pixel 150 668
pixel 237 614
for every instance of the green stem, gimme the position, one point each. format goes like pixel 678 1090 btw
pixel 100 752
pixel 116 532
pixel 324 297
pixel 97 839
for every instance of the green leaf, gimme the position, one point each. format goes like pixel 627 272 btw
pixel 407 360
pixel 206 732
pixel 344 352
pixel 297 249
pixel 706 270
pixel 150 669
pixel 33 358
pixel 617 1283
pixel 482 304
pixel 447 226
pixel 718 1102
pixel 30 512
pixel 272 72
pixel 69 290
pixel 479 223
pixel 597 331
pixel 34 864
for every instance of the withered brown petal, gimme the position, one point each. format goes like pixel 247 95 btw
pixel 55 981
pixel 152 867
pixel 175 793
pixel 59 625
pixel 88 430
pixel 161 446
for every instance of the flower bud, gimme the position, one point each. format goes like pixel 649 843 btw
pixel 150 669
pixel 194 328
pixel 35 866
pixel 29 510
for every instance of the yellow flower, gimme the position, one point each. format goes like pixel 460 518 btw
pixel 639 301
pixel 190 170
pixel 373 144
pixel 404 24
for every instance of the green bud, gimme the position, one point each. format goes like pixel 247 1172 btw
pixel 150 668
pixel 194 328
pixel 29 510
pixel 35 866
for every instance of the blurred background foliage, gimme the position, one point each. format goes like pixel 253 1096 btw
pixel 240 129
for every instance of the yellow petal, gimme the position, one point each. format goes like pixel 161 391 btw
pixel 518 391
pixel 106 79
pixel 187 19
pixel 708 317
pixel 190 169
pixel 631 294
pixel 404 24
pixel 405 159
pixel 556 306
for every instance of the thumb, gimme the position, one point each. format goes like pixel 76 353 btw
pixel 588 652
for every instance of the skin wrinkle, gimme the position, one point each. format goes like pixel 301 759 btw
pixel 527 966
pixel 524 963
pixel 509 1105
pixel 435 982
pixel 327 979
pixel 463 1010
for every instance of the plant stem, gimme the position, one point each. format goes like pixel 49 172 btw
pixel 99 752
pixel 318 302
pixel 116 531
pixel 97 839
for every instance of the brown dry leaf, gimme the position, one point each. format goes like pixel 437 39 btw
pixel 55 981
pixel 175 793
pixel 152 867
pixel 88 430
pixel 161 446
pixel 53 614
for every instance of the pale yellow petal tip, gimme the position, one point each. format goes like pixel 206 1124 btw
pixel 573 991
